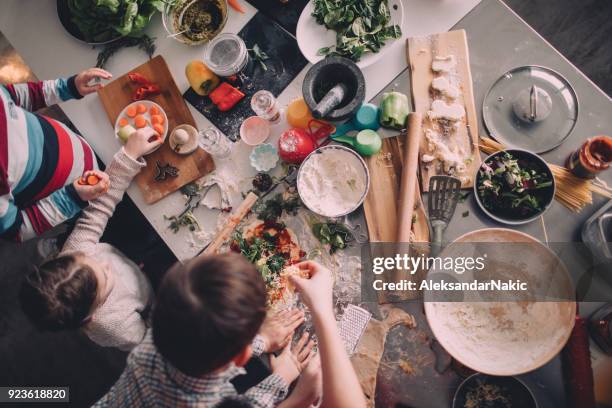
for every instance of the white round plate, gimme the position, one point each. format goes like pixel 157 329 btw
pixel 147 116
pixel 312 36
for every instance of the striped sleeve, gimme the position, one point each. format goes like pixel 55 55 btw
pixel 50 211
pixel 36 95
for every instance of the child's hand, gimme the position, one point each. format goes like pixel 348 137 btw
pixel 292 360
pixel 82 80
pixel 142 142
pixel 277 330
pixel 309 387
pixel 316 292
pixel 89 192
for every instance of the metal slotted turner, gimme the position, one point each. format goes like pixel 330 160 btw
pixel 441 203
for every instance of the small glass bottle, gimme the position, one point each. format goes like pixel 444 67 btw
pixel 265 105
pixel 215 143
pixel 226 55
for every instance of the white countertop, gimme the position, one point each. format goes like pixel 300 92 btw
pixel 33 28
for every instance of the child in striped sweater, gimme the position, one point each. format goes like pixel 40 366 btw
pixel 91 285
pixel 41 158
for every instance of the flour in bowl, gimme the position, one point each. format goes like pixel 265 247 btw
pixel 332 182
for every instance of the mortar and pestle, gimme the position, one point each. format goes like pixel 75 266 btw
pixel 334 89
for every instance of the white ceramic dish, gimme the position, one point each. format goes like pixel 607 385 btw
pixel 312 36
pixel 192 143
pixel 147 116
pixel 509 335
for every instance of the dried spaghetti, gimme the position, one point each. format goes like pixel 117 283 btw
pixel 572 191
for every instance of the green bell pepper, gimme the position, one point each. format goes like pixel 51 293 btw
pixel 394 110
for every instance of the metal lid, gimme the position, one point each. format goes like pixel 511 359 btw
pixel 530 107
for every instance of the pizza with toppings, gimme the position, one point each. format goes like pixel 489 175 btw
pixel 274 250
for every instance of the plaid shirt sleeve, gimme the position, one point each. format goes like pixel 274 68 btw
pixel 268 393
pixel 127 391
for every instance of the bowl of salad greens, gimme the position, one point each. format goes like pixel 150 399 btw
pixel 514 186
pixel 361 30
pixel 102 21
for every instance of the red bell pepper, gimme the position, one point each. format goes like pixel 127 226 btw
pixel 139 79
pixel 145 91
pixel 225 96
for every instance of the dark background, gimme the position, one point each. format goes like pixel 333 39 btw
pixel 580 30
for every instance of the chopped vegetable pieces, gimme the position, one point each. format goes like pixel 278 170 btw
pixel 123 122
pixel 131 111
pixel 157 119
pixel 159 128
pixel 140 121
pixel 141 108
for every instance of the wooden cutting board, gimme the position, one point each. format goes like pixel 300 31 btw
pixel 381 203
pixel 421 52
pixel 118 94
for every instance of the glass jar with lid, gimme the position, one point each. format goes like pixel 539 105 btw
pixel 226 55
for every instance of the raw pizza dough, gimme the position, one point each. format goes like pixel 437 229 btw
pixel 371 347
pixel 280 291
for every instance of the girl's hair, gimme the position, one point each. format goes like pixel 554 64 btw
pixel 59 294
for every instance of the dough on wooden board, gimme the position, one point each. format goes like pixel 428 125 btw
pixel 371 347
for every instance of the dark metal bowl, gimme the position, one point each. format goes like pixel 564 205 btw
pixel 548 197
pixel 513 389
pixel 65 18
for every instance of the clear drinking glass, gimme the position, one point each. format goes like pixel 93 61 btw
pixel 215 143
pixel 265 105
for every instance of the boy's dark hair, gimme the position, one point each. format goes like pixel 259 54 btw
pixel 207 311
pixel 59 293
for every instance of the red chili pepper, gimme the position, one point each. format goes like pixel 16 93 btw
pixel 145 91
pixel 139 79
pixel 225 96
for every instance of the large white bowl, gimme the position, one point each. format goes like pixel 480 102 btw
pixel 312 36
pixel 505 337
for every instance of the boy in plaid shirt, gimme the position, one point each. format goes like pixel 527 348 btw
pixel 205 321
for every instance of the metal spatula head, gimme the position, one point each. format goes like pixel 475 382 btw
pixel 443 197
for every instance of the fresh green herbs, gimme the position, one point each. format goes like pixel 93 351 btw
pixel 336 235
pixel 361 26
pixel 513 187
pixel 259 56
pixel 271 210
pixel 143 42
pixel 186 218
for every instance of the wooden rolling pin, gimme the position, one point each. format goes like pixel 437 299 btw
pixel 408 182
pixel 237 216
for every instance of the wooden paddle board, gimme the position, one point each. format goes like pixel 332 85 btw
pixel 462 137
pixel 381 203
